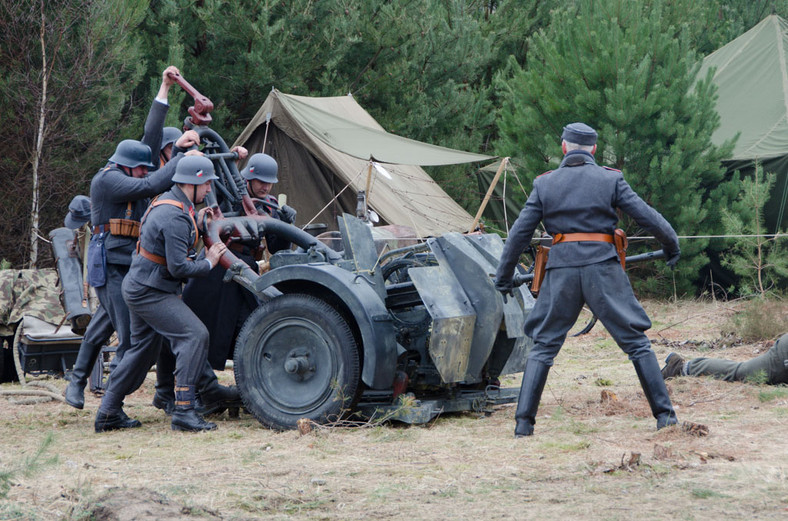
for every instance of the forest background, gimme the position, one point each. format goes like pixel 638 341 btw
pixel 495 77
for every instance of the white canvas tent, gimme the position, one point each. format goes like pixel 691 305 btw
pixel 324 148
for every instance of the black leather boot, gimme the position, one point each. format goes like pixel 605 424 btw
pixel 86 359
pixel 534 379
pixel 164 402
pixel 650 376
pixel 114 421
pixel 164 398
pixel 214 398
pixel 184 417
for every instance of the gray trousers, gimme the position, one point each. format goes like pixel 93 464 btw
pixel 774 364
pixel 97 334
pixel 112 301
pixel 156 314
pixel 99 329
pixel 605 288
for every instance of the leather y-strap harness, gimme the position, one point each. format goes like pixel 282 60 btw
pixel 159 259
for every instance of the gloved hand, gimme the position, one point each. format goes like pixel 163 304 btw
pixel 505 286
pixel 672 258
pixel 287 214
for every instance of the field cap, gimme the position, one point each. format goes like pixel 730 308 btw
pixel 579 133
pixel 78 212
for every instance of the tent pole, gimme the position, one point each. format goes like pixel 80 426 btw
pixel 369 186
pixel 504 162
pixel 267 124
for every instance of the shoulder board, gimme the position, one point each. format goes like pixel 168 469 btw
pixel 106 168
pixel 540 175
pixel 612 169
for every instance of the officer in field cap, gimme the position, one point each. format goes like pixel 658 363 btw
pixel 78 212
pixel 578 205
pixel 579 133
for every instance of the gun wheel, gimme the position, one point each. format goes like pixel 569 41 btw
pixel 296 358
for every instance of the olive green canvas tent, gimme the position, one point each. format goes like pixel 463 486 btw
pixel 751 74
pixel 330 148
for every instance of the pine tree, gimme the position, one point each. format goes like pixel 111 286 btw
pixel 759 260
pixel 620 66
pixel 418 67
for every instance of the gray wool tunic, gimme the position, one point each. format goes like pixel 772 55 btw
pixel 582 197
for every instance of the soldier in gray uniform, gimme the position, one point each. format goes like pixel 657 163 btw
pixel 99 329
pixel 120 193
pixel 236 303
pixel 577 204
pixel 152 288
pixel 773 364
pixel 168 138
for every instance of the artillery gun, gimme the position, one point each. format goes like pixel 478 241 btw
pixel 405 335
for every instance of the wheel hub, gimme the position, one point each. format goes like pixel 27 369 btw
pixel 298 365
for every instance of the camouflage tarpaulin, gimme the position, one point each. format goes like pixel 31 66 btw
pixel 28 292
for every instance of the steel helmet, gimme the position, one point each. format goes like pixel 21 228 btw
pixel 132 153
pixel 170 135
pixel 261 167
pixel 194 170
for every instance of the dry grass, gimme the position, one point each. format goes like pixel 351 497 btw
pixel 581 464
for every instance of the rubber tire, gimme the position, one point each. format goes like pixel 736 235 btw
pixel 289 326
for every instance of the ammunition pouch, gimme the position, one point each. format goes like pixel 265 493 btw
pixel 124 228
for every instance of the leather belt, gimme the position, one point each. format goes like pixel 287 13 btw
pixel 576 237
pixel 101 228
pixel 158 259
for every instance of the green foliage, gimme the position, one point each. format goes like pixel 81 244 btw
pixel 90 61
pixel 625 68
pixel 721 21
pixel 772 393
pixel 440 71
pixel 705 493
pixel 760 262
pixel 28 466
pixel 399 59
pixel 758 378
pixel 762 318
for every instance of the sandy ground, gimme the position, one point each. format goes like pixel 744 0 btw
pixel 591 458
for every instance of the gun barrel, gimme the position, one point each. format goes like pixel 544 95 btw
pixel 648 256
pixel 521 278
